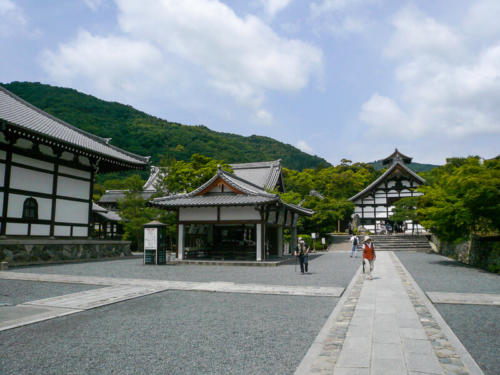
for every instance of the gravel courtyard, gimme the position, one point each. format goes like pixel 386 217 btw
pixel 326 269
pixel 171 333
pixel 477 326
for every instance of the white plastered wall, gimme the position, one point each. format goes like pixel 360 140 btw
pixel 26 179
pixel 239 213
pixel 80 231
pixel 198 213
pixel 32 162
pixel 60 230
pixel 74 172
pixel 72 212
pixel 16 204
pixel 16 229
pixel 40 229
pixel 2 174
pixel 69 187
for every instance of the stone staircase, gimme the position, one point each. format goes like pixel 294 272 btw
pixel 398 242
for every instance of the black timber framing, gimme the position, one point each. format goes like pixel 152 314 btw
pixel 54 193
pixel 6 188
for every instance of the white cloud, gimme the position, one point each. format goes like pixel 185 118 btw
pixel 93 4
pixel 418 34
pixel 482 18
pixel 264 117
pixel 114 64
pixel 274 6
pixel 12 17
pixel 303 146
pixel 440 95
pixel 240 57
pixel 341 17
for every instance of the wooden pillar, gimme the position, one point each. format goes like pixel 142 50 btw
pixel 54 192
pixel 280 241
pixel 180 241
pixel 91 193
pixel 259 242
pixel 293 239
pixel 6 187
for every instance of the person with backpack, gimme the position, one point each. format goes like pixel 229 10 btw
pixel 302 252
pixel 368 257
pixel 355 242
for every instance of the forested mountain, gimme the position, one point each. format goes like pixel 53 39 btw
pixel 144 134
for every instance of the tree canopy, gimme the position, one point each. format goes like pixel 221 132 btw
pixel 461 198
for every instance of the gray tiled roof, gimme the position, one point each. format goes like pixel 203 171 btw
pixel 20 113
pixel 387 173
pixel 212 199
pixel 252 195
pixel 264 174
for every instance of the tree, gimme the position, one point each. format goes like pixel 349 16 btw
pixel 405 209
pixel 185 176
pixel 463 198
pixel 134 212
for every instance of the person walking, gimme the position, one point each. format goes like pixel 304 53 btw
pixel 302 252
pixel 368 257
pixel 355 242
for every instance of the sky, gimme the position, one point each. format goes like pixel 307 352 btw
pixel 339 79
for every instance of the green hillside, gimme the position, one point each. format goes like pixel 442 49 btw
pixel 416 167
pixel 143 134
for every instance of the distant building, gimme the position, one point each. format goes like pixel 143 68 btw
pixel 110 198
pixel 375 203
pixel 47 170
pixel 234 215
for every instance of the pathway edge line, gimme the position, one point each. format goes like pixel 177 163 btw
pixel 467 359
pixel 317 345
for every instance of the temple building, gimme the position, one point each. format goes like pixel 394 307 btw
pixel 234 215
pixel 47 170
pixel 374 204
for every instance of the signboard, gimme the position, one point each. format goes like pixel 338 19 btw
pixel 323 240
pixel 150 238
pixel 313 236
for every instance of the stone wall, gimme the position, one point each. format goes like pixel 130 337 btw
pixel 482 252
pixel 31 251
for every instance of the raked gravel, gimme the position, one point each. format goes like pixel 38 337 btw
pixel 436 273
pixel 14 292
pixel 172 333
pixel 477 326
pixel 327 269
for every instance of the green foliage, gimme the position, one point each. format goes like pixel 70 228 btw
pixel 461 198
pixel 185 176
pixel 335 183
pixel 416 167
pixel 134 212
pixel 143 134
pixel 405 209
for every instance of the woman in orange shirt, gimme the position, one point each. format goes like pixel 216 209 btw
pixel 368 257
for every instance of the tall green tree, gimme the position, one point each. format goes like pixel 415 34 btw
pixel 461 198
pixel 134 212
pixel 185 176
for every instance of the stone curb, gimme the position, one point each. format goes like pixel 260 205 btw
pixel 465 356
pixel 316 348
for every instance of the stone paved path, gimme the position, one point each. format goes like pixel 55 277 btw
pixel 386 326
pixel 120 289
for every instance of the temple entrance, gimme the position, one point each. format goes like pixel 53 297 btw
pixel 220 241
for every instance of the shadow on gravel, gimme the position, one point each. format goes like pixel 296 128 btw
pixel 456 264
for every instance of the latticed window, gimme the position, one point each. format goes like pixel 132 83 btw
pixel 30 209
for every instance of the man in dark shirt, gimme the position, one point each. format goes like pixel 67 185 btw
pixel 302 251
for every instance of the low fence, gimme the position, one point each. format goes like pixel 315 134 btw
pixel 482 252
pixel 37 251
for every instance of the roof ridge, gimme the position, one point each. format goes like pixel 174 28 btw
pixel 94 137
pixel 393 166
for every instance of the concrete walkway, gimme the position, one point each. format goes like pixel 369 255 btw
pixel 386 326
